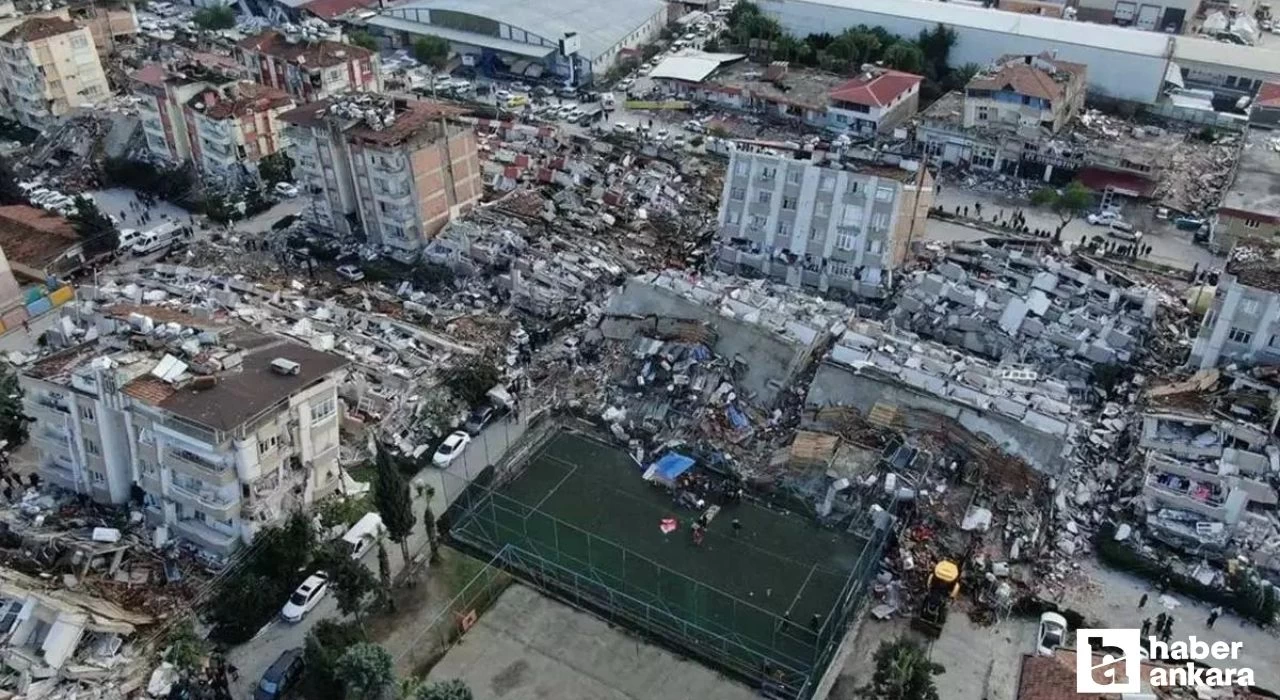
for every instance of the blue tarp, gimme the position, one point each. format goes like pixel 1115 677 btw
pixel 737 418
pixel 672 465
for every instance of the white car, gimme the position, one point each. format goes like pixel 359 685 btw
pixel 286 189
pixel 1103 218
pixel 1053 633
pixel 306 598
pixel 451 448
pixel 351 273
pixel 623 128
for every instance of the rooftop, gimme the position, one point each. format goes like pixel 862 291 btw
pixel 308 54
pixel 210 372
pixel 375 119
pixel 33 237
pixel 1038 76
pixel 237 100
pixel 1256 262
pixel 38 28
pixel 328 9
pixel 1268 95
pixel 797 86
pixel 692 65
pixel 876 87
pixel 600 24
pixel 1256 187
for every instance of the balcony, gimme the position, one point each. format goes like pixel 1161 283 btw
pixel 60 473
pixel 190 464
pixel 53 408
pixel 398 195
pixel 405 214
pixel 52 440
pixel 388 164
pixel 205 536
pixel 207 500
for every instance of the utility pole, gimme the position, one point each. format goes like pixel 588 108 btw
pixel 915 204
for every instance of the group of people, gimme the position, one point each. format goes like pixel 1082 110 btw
pixel 1163 628
pixel 213 682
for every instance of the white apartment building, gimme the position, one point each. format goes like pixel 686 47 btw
pixel 799 218
pixel 222 428
pixel 50 66
pixel 1242 324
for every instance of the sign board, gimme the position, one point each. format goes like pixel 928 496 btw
pixel 666 104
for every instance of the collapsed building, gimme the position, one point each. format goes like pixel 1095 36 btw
pixel 1014 306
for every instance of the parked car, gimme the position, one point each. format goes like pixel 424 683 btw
pixel 1053 633
pixel 351 273
pixel 518 86
pixel 360 537
pixel 624 128
pixel 1124 232
pixel 1103 218
pixel 281 676
pixel 306 598
pixel 286 189
pixel 450 448
pixel 543 91
pixel 479 418
pixel 127 237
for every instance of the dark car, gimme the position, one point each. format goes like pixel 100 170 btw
pixel 479 418
pixel 281 677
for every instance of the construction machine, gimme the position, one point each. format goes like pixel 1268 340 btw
pixel 943 586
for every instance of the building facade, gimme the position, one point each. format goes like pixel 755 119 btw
pixel 222 429
pixel 808 223
pixel 50 66
pixel 1169 16
pixel 875 102
pixel 1242 324
pixel 234 126
pixel 308 70
pixel 1250 206
pixel 163 95
pixel 398 178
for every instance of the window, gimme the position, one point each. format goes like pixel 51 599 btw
pixel 884 194
pixel 839 269
pixel 86 413
pixel 1238 335
pixel 788 202
pixel 983 114
pixel 323 410
pixel 733 216
pixel 794 176
pixel 764 196
pixel 1249 307
pixel 827 184
pixel 768 173
pixel 814 233
pixel 738 193
pixel 742 167
pixel 821 209
pixel 98 477
pixel 91 447
pixel 1252 223
pixel 846 241
pixel 852 216
pixel 265 446
pixel 879 222
pixel 757 222
pixel 874 247
pixel 784 228
pixel 853 187
pixel 79 41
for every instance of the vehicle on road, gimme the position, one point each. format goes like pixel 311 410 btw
pixel 1124 233
pixel 608 101
pixel 624 128
pixel 543 91
pixel 450 448
pixel 479 418
pixel 362 536
pixel 127 237
pixel 351 273
pixel 1103 218
pixel 286 189
pixel 157 239
pixel 283 674
pixel 306 598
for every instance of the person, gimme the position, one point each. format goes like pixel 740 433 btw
pixel 1146 628
pixel 1214 615
pixel 815 622
pixel 1168 629
pixel 737 526
pixel 698 533
pixel 1160 622
pixel 1142 602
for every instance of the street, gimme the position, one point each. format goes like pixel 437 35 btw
pixel 253 657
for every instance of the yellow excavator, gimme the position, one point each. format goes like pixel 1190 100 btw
pixel 944 585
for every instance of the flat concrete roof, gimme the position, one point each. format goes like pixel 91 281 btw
pixel 531 647
pixel 1256 187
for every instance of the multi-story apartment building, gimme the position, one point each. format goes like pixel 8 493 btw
pixel 163 95
pixel 820 223
pixel 392 168
pixel 1242 324
pixel 232 127
pixel 1005 115
pixel 50 66
pixel 1250 206
pixel 308 70
pixel 222 428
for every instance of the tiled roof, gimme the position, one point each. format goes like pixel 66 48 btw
pixel 328 9
pixel 38 28
pixel 33 237
pixel 1026 79
pixel 241 99
pixel 148 389
pixel 1268 95
pixel 152 74
pixel 1053 678
pixel 877 90
pixel 309 54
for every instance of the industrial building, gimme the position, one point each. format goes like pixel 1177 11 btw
pixel 833 226
pixel 1125 63
pixel 573 41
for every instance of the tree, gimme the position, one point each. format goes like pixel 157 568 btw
pixel 439 411
pixel 432 51
pixel 186 650
pixel 13 418
pixel 326 643
pixel 384 576
pixel 10 193
pixel 395 504
pixel 472 378
pixel 364 40
pixel 244 603
pixel 905 57
pixel 366 671
pixel 215 18
pixel 935 46
pixel 276 167
pixel 433 534
pixel 903 672
pixel 443 690
pixel 97 234
pixel 1068 203
pixel 350 580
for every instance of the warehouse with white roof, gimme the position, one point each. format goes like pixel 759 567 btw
pixel 571 39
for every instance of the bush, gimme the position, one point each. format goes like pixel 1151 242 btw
pixel 1248 597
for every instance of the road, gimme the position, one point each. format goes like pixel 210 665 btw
pixel 1170 246
pixel 253 657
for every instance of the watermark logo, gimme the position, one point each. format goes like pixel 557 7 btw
pixel 1100 669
